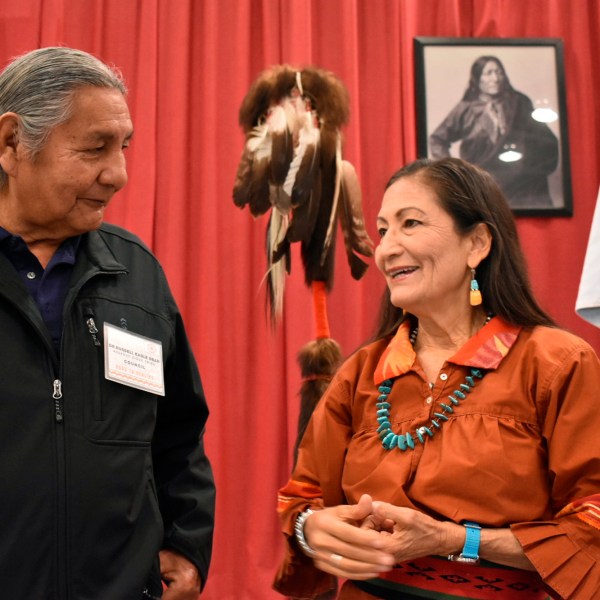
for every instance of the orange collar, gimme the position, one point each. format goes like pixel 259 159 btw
pixel 485 350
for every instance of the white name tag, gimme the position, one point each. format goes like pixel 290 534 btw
pixel 133 360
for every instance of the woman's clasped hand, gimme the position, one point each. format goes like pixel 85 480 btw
pixel 362 540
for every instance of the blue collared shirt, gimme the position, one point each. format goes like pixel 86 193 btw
pixel 48 286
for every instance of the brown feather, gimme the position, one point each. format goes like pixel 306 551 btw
pixel 335 200
pixel 282 144
pixel 351 216
pixel 315 254
pixel 305 215
pixel 258 192
pixel 243 177
pixel 317 265
pixel 307 175
pixel 281 156
pixel 328 142
pixel 358 267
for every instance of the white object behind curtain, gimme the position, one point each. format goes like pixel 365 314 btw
pixel 587 305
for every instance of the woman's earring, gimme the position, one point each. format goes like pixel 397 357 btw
pixel 475 294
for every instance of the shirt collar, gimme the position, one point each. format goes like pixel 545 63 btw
pixel 485 350
pixel 66 253
pixel 4 234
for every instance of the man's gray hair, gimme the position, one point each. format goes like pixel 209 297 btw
pixel 38 87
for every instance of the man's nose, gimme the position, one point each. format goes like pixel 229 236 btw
pixel 114 172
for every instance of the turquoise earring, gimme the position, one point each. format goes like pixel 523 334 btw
pixel 475 294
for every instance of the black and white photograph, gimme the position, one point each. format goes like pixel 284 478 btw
pixel 500 104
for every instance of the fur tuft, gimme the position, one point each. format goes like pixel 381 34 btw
pixel 318 361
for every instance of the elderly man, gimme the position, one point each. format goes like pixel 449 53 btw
pixel 106 489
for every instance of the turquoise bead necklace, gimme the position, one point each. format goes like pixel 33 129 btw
pixel 389 439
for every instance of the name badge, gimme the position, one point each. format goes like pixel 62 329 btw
pixel 133 360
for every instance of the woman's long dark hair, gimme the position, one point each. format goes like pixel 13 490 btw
pixel 473 91
pixel 471 196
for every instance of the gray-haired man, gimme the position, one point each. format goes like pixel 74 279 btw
pixel 106 488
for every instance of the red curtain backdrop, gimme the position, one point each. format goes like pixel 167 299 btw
pixel 188 64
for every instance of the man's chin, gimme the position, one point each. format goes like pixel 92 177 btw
pixel 88 225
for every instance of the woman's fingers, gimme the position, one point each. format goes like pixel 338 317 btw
pixel 344 548
pixel 390 513
pixel 326 529
pixel 344 566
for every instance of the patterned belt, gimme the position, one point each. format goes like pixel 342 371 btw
pixel 441 578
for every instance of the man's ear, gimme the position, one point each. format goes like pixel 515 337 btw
pixel 9 141
pixel 481 240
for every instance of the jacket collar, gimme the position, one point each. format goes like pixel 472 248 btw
pixel 99 253
pixel 485 350
pixel 94 257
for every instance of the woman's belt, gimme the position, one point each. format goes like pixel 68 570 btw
pixel 433 577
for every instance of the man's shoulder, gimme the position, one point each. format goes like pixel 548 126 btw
pixel 114 248
pixel 113 234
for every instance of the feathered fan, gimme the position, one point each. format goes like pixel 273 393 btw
pixel 292 166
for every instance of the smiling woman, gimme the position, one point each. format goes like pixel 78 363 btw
pixel 421 253
pixel 424 426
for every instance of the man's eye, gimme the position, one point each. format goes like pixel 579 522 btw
pixel 381 231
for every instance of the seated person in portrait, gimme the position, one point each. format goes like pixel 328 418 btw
pixel 491 119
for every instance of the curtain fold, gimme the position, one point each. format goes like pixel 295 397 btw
pixel 188 64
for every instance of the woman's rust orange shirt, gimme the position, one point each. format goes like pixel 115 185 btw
pixel 522 450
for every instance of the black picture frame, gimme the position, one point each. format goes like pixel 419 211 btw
pixel 453 108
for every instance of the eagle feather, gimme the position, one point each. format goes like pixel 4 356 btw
pixel 356 238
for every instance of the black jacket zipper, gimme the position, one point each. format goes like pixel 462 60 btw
pixel 57 397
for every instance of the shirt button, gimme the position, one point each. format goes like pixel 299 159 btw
pixel 429 400
pixel 443 376
pixel 31 275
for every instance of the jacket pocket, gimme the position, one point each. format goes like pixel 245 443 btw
pixel 113 412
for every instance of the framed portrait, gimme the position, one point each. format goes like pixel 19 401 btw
pixel 500 104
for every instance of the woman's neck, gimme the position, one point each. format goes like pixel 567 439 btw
pixel 450 335
pixel 436 342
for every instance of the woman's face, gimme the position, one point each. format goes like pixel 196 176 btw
pixel 420 253
pixel 491 80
